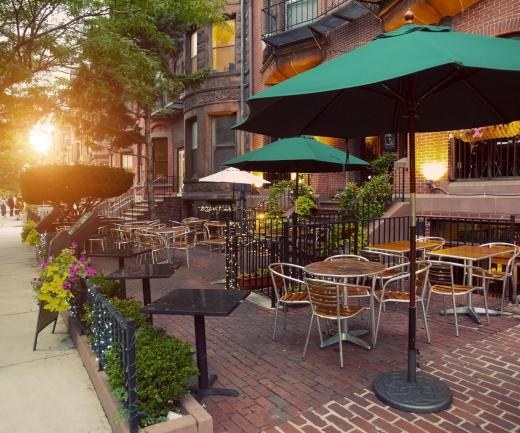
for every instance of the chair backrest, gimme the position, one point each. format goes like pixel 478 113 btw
pixel 442 273
pixel 188 239
pixel 174 223
pixel 213 231
pixel 286 278
pixel 440 241
pixel 510 259
pixel 421 278
pixel 388 259
pixel 327 296
pixel 346 256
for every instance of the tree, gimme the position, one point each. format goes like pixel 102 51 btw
pixel 75 189
pixel 130 60
pixel 38 38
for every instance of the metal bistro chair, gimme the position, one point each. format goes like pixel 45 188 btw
pixel 440 242
pixel 329 300
pixel 185 241
pixel 214 237
pixel 508 272
pixel 388 293
pixel 441 280
pixel 288 287
pixel 196 225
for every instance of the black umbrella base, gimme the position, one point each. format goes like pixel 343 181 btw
pixel 427 395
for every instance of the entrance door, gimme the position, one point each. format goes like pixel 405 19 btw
pixel 180 169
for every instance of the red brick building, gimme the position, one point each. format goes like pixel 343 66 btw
pixel 265 42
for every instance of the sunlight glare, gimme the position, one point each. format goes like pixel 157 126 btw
pixel 40 137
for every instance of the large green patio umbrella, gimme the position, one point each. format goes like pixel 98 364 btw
pixel 416 78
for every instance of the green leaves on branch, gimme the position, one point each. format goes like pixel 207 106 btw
pixel 305 201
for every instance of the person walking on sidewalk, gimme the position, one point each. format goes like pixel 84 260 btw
pixel 3 206
pixel 10 203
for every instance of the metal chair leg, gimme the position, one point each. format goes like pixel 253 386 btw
pixel 377 322
pixel 455 315
pixel 275 318
pixel 340 343
pixel 309 335
pixel 486 303
pixel 425 322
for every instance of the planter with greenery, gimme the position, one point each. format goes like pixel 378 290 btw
pixel 35 239
pixel 255 281
pixel 164 368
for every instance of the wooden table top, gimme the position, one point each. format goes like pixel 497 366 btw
pixel 216 223
pixel 471 252
pixel 402 246
pixel 345 268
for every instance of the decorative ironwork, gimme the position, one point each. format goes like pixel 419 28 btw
pixel 487 159
pixel 109 329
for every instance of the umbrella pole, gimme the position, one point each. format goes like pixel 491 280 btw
pixel 412 391
pixel 295 221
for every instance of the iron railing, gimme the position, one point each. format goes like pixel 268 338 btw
pixel 252 244
pixel 285 15
pixel 166 186
pixel 109 329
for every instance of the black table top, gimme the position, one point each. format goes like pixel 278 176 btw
pixel 135 271
pixel 198 302
pixel 117 252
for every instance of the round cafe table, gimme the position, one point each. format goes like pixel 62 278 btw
pixel 345 269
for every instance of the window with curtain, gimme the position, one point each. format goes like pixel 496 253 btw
pixel 160 157
pixel 223 138
pixel 300 12
pixel 194 145
pixel 223 46
pixel 193 52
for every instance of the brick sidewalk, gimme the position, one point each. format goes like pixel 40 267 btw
pixel 281 392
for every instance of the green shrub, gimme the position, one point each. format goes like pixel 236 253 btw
pixel 130 309
pixel 304 203
pixel 164 367
pixel 109 288
pixel 28 227
pixel 384 164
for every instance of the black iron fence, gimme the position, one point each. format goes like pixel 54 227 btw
pixel 109 329
pixel 252 244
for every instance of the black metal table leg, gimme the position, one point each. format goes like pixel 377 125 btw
pixel 206 381
pixel 147 296
pixel 122 283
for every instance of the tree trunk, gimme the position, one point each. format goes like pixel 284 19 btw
pixel 149 162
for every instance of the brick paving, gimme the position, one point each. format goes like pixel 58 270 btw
pixel 282 392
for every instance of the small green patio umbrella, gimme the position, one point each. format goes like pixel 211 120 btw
pixel 416 78
pixel 297 154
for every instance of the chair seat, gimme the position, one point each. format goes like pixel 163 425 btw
pixel 394 295
pixel 495 274
pixel 219 241
pixel 345 311
pixel 357 291
pixel 295 297
pixel 458 289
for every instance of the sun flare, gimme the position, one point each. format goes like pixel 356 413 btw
pixel 40 137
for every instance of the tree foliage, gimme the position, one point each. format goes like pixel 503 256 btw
pixel 74 188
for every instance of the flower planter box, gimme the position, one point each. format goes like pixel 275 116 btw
pixel 195 420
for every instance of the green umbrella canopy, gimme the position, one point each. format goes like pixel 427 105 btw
pixel 459 81
pixel 297 154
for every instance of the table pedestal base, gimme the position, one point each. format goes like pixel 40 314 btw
pixel 211 390
pixel 350 337
pixel 473 312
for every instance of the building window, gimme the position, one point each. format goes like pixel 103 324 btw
pixel 223 139
pixel 160 157
pixel 127 161
pixel 223 46
pixel 300 12
pixel 193 52
pixel 194 145
pixel 487 158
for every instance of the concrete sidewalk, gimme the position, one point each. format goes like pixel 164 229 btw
pixel 46 391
